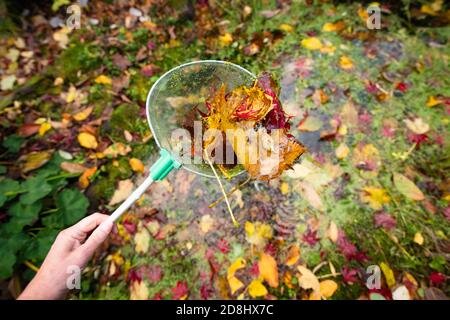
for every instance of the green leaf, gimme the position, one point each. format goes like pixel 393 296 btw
pixel 8 190
pixel 41 244
pixel 2 170
pixel 407 187
pixel 376 296
pixel 438 263
pixel 37 188
pixel 72 205
pixel 13 143
pixel 22 215
pixel 8 252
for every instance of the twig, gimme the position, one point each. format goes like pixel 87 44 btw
pixel 236 224
pixel 229 193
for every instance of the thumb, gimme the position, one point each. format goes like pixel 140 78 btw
pixel 96 238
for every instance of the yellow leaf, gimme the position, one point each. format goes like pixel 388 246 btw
pixel 293 255
pixel 226 39
pixel 375 197
pixel 328 288
pixel 206 223
pixel 117 149
pixel 256 289
pixel 239 263
pixel 138 291
pixel 362 13
pixel 268 269
pixel 44 128
pixel 312 43
pixel 330 27
pixel 433 8
pixel 72 94
pixel 87 140
pixel 307 279
pixel 388 274
pixel 82 115
pixel 345 63
pixel 418 238
pixel 258 233
pixel 332 232
pixel 87 174
pixel 142 239
pixel 284 188
pixel 102 79
pixel 235 283
pixel 433 101
pixel 35 160
pixel 342 151
pixel 136 165
pixel 286 27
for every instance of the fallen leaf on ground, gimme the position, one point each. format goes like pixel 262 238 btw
pixel 345 63
pixel 307 279
pixel 268 269
pixel 206 223
pixel 417 125
pixel 407 187
pixel 102 79
pixel 342 151
pixel 418 238
pixel 138 291
pixel 87 140
pixel 234 283
pixel 375 197
pixel 136 165
pixel 312 43
pixel 34 160
pixel 256 289
pixel 293 255
pixel 142 239
pixel 388 274
pixel 124 189
pixel 83 115
pixel 85 177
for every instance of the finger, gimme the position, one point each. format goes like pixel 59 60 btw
pixel 67 238
pixel 80 230
pixel 96 239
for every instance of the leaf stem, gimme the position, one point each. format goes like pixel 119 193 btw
pixel 236 224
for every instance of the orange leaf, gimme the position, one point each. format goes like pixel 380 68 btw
pixel 84 178
pixel 293 255
pixel 268 269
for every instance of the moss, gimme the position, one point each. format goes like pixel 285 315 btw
pixel 78 57
pixel 126 117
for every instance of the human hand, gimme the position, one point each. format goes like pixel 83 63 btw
pixel 72 247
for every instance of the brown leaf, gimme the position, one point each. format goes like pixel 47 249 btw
pixel 122 192
pixel 28 129
pixel 72 167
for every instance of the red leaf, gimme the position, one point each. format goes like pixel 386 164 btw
pixel 180 290
pixel 276 118
pixel 382 219
pixel 206 291
pixel 436 278
pixel 153 273
pixel 223 246
pixel 254 270
pixel 401 86
pixel 310 237
pixel 349 275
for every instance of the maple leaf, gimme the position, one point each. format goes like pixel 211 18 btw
pixel 206 291
pixel 349 275
pixel 180 291
pixel 223 246
pixel 310 237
